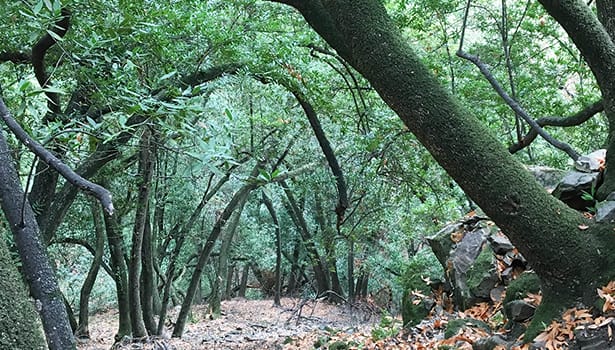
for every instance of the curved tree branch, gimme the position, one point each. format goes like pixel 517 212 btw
pixel 576 119
pixel 99 192
pixel 39 50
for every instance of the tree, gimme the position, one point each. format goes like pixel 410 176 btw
pixel 571 255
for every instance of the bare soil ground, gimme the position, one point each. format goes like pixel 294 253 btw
pixel 246 324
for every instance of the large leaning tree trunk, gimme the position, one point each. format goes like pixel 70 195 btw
pixel 569 253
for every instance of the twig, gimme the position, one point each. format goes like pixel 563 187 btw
pixel 99 192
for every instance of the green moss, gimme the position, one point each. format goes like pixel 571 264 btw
pixel 549 309
pixel 527 282
pixel 19 328
pixel 482 265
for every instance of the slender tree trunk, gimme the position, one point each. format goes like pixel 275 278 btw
pixel 350 262
pixel 180 232
pixel 120 271
pixel 223 258
pixel 134 270
pixel 294 277
pixel 320 272
pixel 278 249
pixel 35 263
pixel 84 300
pixel 329 237
pixel 148 278
pixel 208 247
pixel 244 280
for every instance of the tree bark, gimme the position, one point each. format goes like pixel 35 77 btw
pixel 120 271
pixel 35 263
pixel 278 248
pixel 18 323
pixel 134 271
pixel 84 299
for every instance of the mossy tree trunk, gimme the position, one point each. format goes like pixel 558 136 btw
pixel 569 253
pixel 18 328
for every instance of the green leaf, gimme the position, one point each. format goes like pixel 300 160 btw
pixel 167 76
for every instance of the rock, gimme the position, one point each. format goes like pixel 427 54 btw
pixel 441 243
pixel 519 310
pixel 592 162
pixel 500 243
pixel 594 338
pixel 490 343
pixel 482 277
pixel 605 211
pixel 546 176
pixel 453 327
pixel 573 186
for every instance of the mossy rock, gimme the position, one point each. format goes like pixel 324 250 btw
pixel 481 276
pixel 412 314
pixel 527 282
pixel 454 326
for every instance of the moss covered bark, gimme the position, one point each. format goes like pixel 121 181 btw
pixel 19 327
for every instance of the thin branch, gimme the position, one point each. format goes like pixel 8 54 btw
pixel 516 107
pixel 99 192
pixel 576 119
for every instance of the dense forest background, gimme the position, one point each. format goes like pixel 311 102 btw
pixel 246 157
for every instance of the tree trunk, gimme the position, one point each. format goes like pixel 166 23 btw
pixel 180 232
pixel 84 299
pixel 120 271
pixel 278 249
pixel 544 230
pixel 208 247
pixel 320 272
pixel 35 263
pixel 225 247
pixel 329 236
pixel 244 280
pixel 148 278
pixel 350 262
pixel 134 270
pixel 18 324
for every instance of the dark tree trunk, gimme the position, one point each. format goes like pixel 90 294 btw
pixel 223 258
pixel 146 164
pixel 244 280
pixel 148 278
pixel 208 247
pixel 84 299
pixel 320 272
pixel 350 262
pixel 295 270
pixel 180 232
pixel 120 271
pixel 329 236
pixel 278 249
pixel 35 263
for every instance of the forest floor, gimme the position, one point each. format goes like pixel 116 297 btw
pixel 249 324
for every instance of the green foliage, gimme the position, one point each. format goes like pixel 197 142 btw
pixel 387 328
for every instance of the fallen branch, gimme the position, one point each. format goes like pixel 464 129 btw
pixel 97 191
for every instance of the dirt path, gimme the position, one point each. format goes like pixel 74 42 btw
pixel 246 324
